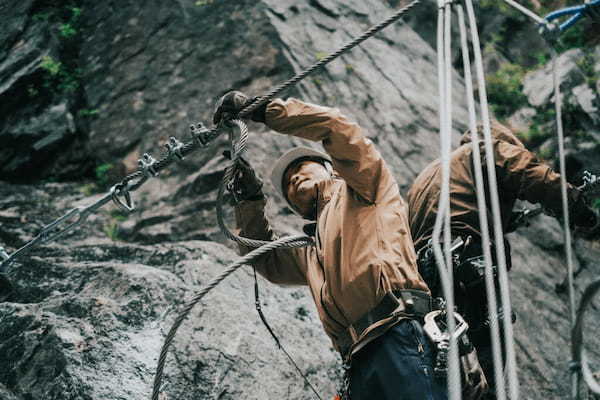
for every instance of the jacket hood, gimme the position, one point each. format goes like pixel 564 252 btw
pixel 499 132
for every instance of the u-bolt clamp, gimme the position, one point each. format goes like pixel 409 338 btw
pixel 147 165
pixel 199 134
pixel 175 147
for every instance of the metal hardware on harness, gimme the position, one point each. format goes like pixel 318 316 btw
pixel 439 335
pixel 148 165
pixel 200 134
pixel 591 184
pixel 174 148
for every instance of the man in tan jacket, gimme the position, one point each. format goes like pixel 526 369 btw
pixel 362 269
pixel 520 175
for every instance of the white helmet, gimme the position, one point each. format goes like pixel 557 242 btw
pixel 291 156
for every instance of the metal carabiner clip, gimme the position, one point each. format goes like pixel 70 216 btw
pixel 438 334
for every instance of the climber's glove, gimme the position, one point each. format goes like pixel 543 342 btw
pixel 245 185
pixel 229 106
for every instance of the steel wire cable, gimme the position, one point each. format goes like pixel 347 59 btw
pixel 482 208
pixel 140 176
pixel 565 207
pixel 443 258
pixel 511 367
pixel 248 258
pixel 214 132
pixel 578 353
pixel 262 248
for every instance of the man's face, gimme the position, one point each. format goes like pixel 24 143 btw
pixel 300 185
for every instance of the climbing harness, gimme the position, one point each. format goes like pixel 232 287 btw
pixel 551 32
pixel 440 335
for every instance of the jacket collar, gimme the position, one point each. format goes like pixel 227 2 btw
pixel 326 190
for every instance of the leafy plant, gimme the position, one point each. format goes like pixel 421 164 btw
pixel 50 65
pixel 67 30
pixel 505 90
pixel 201 3
pixel 111 229
pixel 102 173
pixel 319 55
pixel 88 189
pixel 88 112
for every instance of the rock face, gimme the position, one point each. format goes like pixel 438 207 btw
pixel 89 312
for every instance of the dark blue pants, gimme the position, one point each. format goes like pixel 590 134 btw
pixel 397 366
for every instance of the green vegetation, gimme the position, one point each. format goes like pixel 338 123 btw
pixel 201 3
pixel 596 204
pixel 88 189
pixel 88 112
pixel 50 65
pixel 62 72
pixel 586 64
pixel 319 55
pixel 102 173
pixel 505 90
pixel 111 229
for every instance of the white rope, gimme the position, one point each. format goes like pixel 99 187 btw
pixel 513 382
pixel 443 259
pixel 565 208
pixel 527 12
pixel 481 205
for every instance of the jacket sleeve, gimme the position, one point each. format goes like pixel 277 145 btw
pixel 532 180
pixel 283 266
pixel 354 156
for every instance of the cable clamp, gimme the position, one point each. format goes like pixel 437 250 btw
pixel 199 134
pixel 147 165
pixel 175 147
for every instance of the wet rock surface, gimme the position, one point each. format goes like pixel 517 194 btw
pixel 89 312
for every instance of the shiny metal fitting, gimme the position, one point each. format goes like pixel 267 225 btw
pixel 147 165
pixel 175 147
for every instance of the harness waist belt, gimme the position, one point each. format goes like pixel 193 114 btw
pixel 409 302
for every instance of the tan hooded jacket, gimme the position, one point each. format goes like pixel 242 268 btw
pixel 363 243
pixel 520 175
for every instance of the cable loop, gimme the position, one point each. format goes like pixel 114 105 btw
pixel 121 190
